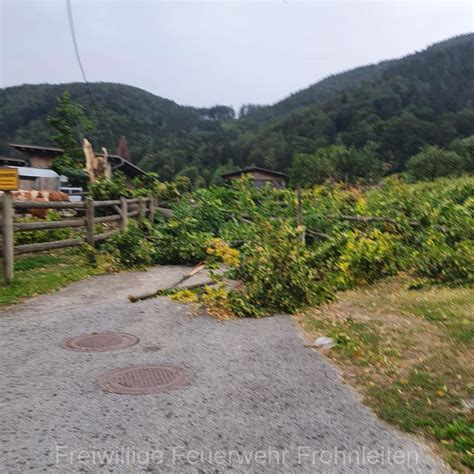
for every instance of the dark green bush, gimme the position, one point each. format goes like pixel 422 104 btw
pixel 433 162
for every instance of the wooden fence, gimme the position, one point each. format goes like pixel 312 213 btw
pixel 125 209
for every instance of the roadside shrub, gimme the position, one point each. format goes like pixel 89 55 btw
pixel 276 271
pixel 367 257
pixel 37 236
pixel 132 249
pixel 218 251
pixel 423 228
pixel 196 220
pixel 178 242
pixel 438 261
pixel 103 261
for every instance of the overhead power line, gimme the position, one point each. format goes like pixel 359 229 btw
pixel 81 66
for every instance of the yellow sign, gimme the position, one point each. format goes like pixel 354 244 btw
pixel 8 179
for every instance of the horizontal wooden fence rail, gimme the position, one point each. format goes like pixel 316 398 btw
pixel 123 209
pixel 107 203
pixel 48 205
pixel 48 225
pixel 42 246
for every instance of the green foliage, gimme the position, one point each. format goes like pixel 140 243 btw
pixel 132 249
pixel 465 149
pixel 339 163
pixel 182 183
pixel 196 219
pixel 423 228
pixel 37 236
pixel 70 124
pixel 438 260
pixel 433 162
pixel 275 266
pixel 110 188
pixel 355 237
pixel 307 170
pixel 401 106
pixel 141 186
pixel 367 256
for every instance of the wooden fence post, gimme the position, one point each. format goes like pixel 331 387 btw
pixel 152 209
pixel 90 221
pixel 141 213
pixel 7 236
pixel 124 214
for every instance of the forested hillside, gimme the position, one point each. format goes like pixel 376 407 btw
pixel 254 114
pixel 426 98
pixel 390 110
pixel 162 135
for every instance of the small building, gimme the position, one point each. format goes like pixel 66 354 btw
pixel 260 176
pixel 37 179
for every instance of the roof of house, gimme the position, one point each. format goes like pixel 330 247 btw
pixel 29 172
pixel 119 163
pixel 8 161
pixel 38 150
pixel 276 174
pixel 116 161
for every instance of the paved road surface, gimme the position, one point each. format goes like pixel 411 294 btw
pixel 258 402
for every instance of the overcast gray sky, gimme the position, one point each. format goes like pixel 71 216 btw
pixel 205 53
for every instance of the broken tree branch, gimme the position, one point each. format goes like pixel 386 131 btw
pixel 188 275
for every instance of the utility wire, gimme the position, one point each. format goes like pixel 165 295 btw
pixel 81 66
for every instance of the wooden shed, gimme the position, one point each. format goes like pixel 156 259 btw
pixel 37 179
pixel 260 176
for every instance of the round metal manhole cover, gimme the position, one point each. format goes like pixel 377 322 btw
pixel 144 379
pixel 100 342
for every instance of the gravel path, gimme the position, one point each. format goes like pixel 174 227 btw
pixel 258 402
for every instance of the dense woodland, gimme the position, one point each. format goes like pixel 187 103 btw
pixel 357 124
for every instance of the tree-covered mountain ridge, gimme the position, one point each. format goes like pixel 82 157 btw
pixel 423 99
pixel 397 105
pixel 255 113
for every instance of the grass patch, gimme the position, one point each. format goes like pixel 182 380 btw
pixel 409 352
pixel 42 273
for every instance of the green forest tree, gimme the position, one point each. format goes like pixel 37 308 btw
pixel 465 149
pixel 433 162
pixel 70 125
pixel 310 169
